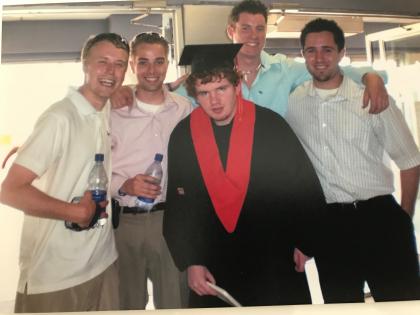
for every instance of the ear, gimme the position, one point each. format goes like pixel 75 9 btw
pixel 230 29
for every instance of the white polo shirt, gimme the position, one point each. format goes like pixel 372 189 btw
pixel 61 152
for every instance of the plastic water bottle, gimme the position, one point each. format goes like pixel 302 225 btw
pixel 98 186
pixel 154 170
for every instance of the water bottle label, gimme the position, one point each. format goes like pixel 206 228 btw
pixel 145 205
pixel 146 200
pixel 98 195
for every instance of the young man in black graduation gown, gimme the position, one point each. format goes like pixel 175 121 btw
pixel 242 194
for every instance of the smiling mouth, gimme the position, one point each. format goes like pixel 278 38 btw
pixel 252 44
pixel 107 82
pixel 152 80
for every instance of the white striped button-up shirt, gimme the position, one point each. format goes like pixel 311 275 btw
pixel 347 145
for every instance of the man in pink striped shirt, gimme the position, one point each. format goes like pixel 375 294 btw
pixel 138 133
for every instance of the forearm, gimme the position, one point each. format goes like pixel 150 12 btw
pixel 409 188
pixel 36 203
pixel 17 191
pixel 363 74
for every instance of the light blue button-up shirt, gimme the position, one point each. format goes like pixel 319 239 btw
pixel 278 77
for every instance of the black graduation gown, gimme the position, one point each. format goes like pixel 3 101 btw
pixel 283 203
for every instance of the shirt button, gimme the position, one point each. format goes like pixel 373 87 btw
pixel 156 134
pixel 324 125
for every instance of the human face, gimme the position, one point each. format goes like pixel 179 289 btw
pixel 218 100
pixel 322 57
pixel 149 63
pixel 250 30
pixel 104 69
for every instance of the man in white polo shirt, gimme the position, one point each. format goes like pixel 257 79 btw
pixel 61 269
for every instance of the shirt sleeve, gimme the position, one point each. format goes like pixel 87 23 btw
pixel 181 90
pixel 183 217
pixel 398 141
pixel 296 71
pixel 45 145
pixel 357 73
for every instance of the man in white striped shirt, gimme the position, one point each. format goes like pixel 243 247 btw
pixel 367 235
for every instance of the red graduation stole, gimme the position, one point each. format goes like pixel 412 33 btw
pixel 227 190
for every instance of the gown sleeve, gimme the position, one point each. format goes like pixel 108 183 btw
pixel 180 223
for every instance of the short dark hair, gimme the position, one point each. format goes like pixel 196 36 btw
pixel 115 39
pixel 248 6
pixel 148 38
pixel 320 25
pixel 207 76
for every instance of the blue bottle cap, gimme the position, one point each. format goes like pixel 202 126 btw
pixel 158 157
pixel 99 157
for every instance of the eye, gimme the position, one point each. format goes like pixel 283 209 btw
pixel 142 62
pixel 309 51
pixel 120 64
pixel 202 93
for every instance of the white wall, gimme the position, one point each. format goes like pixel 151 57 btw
pixel 25 91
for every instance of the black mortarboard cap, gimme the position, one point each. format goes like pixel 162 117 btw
pixel 204 58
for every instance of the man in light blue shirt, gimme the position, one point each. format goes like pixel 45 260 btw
pixel 268 80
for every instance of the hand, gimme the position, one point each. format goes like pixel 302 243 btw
pixel 175 84
pixel 375 93
pixel 300 260
pixel 141 185
pixel 86 210
pixel 197 280
pixel 122 97
pixel 103 213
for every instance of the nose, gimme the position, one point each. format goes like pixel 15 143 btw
pixel 150 69
pixel 319 55
pixel 253 33
pixel 110 68
pixel 213 97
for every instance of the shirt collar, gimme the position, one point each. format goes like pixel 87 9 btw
pixel 344 91
pixel 168 101
pixel 80 102
pixel 266 61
